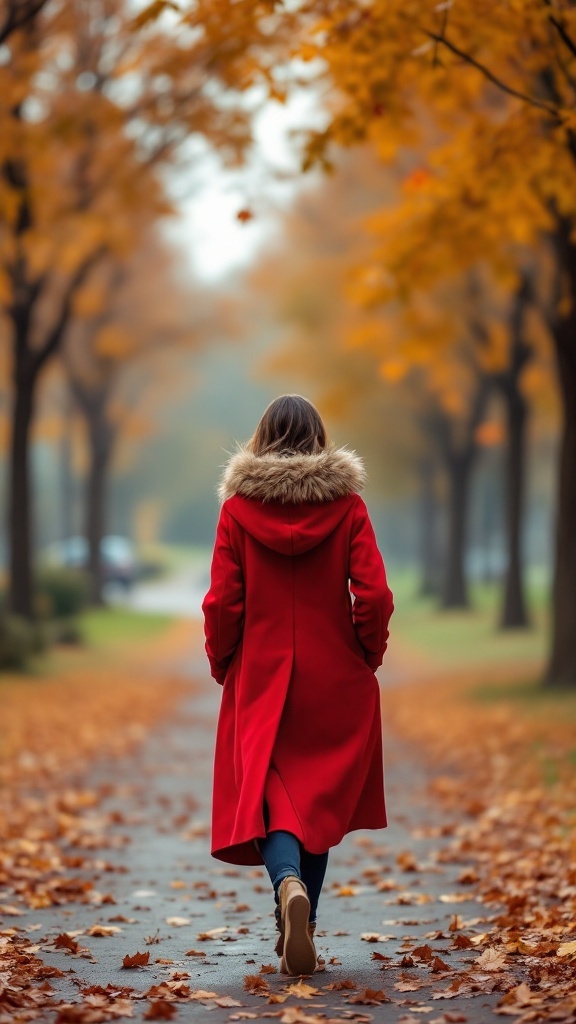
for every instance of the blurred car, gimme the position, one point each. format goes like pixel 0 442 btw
pixel 117 555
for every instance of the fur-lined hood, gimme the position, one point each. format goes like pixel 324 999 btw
pixel 332 473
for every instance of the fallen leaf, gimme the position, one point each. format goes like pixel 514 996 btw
pixel 136 960
pixel 160 1009
pixel 491 960
pixel 566 949
pixel 302 990
pixel 370 997
pixel 227 1001
pixel 64 941
pixel 256 984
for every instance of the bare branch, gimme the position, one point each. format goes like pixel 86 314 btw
pixel 565 37
pixel 532 100
pixel 56 332
pixel 441 36
pixel 18 16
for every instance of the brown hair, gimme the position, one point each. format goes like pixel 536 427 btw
pixel 290 424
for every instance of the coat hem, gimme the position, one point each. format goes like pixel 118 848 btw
pixel 245 853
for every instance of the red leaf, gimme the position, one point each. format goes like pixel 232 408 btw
pixel 136 960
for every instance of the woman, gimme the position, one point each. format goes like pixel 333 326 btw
pixel 298 759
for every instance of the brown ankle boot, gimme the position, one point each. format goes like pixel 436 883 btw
pixel 299 953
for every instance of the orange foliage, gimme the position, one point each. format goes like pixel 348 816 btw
pixel 505 771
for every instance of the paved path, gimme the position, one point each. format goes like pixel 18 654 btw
pixel 157 866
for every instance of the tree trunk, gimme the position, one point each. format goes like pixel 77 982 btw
pixel 100 438
pixel 429 540
pixel 514 614
pixel 66 472
pixel 19 511
pixel 455 589
pixel 561 669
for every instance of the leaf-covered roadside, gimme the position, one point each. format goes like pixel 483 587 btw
pixel 503 764
pixel 52 826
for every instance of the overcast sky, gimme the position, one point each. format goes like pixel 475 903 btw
pixel 208 227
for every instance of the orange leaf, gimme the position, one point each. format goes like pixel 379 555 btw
pixel 136 960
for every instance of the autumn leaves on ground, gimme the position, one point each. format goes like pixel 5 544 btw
pixel 498 762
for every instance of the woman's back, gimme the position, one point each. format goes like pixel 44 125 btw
pixel 295 654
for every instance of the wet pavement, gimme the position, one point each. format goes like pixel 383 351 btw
pixel 207 925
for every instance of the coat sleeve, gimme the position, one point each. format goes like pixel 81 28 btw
pixel 373 604
pixel 223 606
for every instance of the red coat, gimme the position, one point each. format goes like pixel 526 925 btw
pixel 299 723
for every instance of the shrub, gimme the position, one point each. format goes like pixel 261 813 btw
pixel 67 631
pixel 18 642
pixel 61 592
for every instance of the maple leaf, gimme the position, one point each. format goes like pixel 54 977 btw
pixel 301 989
pixel 370 997
pixel 136 960
pixel 491 960
pixel 423 952
pixel 256 984
pixel 64 941
pixel 268 969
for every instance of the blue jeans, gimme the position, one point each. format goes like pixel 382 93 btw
pixel 283 854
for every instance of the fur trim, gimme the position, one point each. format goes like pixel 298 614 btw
pixel 330 474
